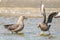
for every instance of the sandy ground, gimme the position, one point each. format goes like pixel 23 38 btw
pixel 30 3
pixel 30 12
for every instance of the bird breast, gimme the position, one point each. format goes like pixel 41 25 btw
pixel 43 26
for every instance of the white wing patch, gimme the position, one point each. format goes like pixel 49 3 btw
pixel 58 14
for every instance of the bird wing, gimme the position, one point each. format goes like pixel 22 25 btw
pixel 10 25
pixel 44 15
pixel 20 27
pixel 58 15
pixel 43 12
pixel 50 17
pixel 7 25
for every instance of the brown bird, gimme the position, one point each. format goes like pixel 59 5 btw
pixel 16 27
pixel 44 25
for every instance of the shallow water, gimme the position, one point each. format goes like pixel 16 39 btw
pixel 30 31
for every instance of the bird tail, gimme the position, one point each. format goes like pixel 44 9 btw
pixel 6 26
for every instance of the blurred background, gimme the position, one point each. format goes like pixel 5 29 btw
pixel 27 7
pixel 30 3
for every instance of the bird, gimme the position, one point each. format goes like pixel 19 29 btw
pixel 58 15
pixel 44 26
pixel 15 28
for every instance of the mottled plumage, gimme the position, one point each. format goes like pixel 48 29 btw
pixel 16 27
pixel 44 25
